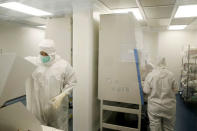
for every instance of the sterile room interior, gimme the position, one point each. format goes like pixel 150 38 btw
pixel 106 42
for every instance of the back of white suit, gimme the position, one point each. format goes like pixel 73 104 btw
pixel 160 86
pixel 162 95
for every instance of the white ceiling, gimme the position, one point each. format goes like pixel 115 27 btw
pixel 153 3
pixel 57 7
pixel 119 4
pixel 54 6
pixel 193 25
pixel 182 21
pixel 157 13
pixel 158 22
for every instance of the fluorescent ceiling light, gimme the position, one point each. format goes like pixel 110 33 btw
pixel 177 27
pixel 42 26
pixel 25 9
pixel 186 11
pixel 137 14
pixel 135 11
pixel 122 11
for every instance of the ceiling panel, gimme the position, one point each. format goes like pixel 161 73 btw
pixel 193 25
pixel 157 2
pixel 164 22
pixel 157 29
pixel 56 7
pixel 182 2
pixel 10 13
pixel 3 1
pixel 158 22
pixel 158 12
pixel 182 21
pixel 153 23
pixel 119 4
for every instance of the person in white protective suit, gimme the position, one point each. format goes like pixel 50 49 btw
pixel 146 69
pixel 53 81
pixel 161 88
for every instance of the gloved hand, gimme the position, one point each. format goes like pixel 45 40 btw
pixel 57 101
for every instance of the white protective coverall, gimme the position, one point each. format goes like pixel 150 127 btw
pixel 47 96
pixel 146 69
pixel 161 88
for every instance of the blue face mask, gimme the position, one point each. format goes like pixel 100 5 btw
pixel 45 59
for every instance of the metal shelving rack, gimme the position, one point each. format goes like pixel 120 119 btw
pixel 188 92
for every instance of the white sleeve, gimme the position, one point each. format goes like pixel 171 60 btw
pixel 70 80
pixel 147 85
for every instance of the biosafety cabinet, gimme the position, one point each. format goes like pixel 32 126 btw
pixel 119 75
